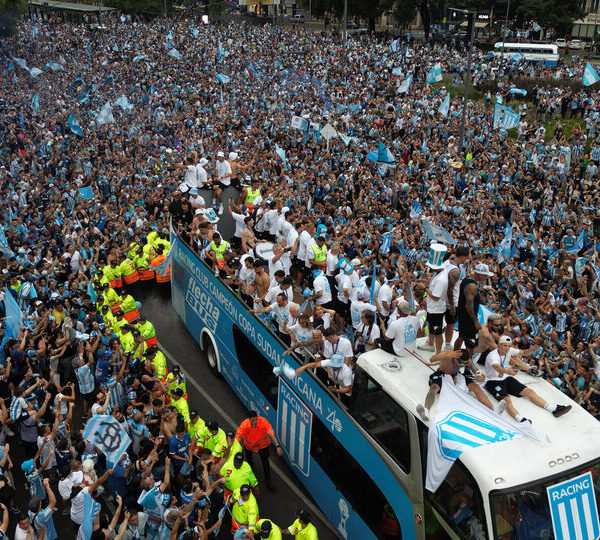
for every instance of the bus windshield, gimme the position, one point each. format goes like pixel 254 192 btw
pixel 524 512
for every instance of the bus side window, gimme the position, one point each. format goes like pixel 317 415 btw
pixel 351 479
pixel 381 417
pixel 256 366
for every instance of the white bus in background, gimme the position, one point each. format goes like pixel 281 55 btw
pixel 496 491
pixel 532 52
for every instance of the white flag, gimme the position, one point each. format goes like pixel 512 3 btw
pixel 462 423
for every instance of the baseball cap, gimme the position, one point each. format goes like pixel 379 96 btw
pixel 194 191
pixel 404 307
pixel 238 457
pixel 233 156
pixel 203 161
pixel 27 466
pixel 194 413
pixel 220 154
pixel 336 361
pixel 483 270
pixel 504 339
pixel 265 529
pixel 245 489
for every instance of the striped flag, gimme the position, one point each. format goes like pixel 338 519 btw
pixel 410 298
pixel 90 511
pixel 462 423
pixel 373 281
pixel 578 245
pixel 223 79
pixel 590 75
pixel 435 74
pixel 445 106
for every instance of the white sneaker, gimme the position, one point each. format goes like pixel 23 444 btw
pixel 426 347
pixel 447 347
pixel 220 209
pixel 422 412
pixel 500 407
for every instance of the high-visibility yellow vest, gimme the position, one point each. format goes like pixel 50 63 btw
pixel 127 267
pixel 235 478
pixel 246 514
pixel 182 408
pixel 251 195
pixel 275 533
pixel 128 304
pixel 320 253
pixel 146 329
pixel 219 249
pixel 127 342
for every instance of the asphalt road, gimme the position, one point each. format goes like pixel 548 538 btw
pixel 204 390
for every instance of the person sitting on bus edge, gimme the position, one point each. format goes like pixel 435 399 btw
pixel 302 528
pixel 216 251
pixel 256 434
pixel 338 372
pixel 500 366
pixel 450 363
pixel 315 346
pixel 281 308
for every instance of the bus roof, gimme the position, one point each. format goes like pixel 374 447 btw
pixel 540 46
pixel 572 439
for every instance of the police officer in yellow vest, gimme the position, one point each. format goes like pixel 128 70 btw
pixel 266 529
pixel 109 318
pixel 158 360
pixel 244 508
pixel 146 328
pixel 127 340
pixel 196 428
pixel 178 401
pixel 217 250
pixel 318 257
pixel 236 472
pixel 119 322
pixel 175 379
pixel 250 194
pixel 214 439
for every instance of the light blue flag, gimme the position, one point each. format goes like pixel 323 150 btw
pixel 123 102
pixel 35 103
pixel 578 243
pixel 553 254
pixel 372 156
pixel 162 267
pixel 445 106
pixel 83 97
pixel 10 66
pixel 280 153
pixel 505 117
pixel 109 79
pixel 34 72
pixel 386 240
pixel 74 126
pixel 140 57
pixel 517 57
pixel 150 500
pixel 374 276
pixel 194 32
pixel 506 245
pixel 395 46
pixel 174 53
pixel 92 292
pixel 90 511
pixel 86 192
pixel 410 297
pixel 105 116
pixel 518 91
pixel 590 76
pixel 223 79
pixel 20 62
pixel 4 247
pixel 416 210
pixel 384 155
pixel 435 74
pixel 76 82
pixel 13 314
pixel 397 71
pixel 405 86
pixel 596 271
pixel 109 435
pixel 437 233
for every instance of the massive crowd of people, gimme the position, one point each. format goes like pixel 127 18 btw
pixel 132 125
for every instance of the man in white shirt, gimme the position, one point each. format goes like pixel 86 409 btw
pixel 222 182
pixel 197 201
pixel 322 295
pixel 77 502
pixel 272 218
pixel 436 307
pixel 201 175
pixel 367 334
pixel 335 344
pixel 281 308
pixel 386 294
pixel 339 373
pixel 401 334
pixel 500 366
pixel 344 292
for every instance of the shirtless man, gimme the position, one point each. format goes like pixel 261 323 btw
pixel 248 237
pixel 260 286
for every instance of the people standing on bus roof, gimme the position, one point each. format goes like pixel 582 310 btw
pixel 256 434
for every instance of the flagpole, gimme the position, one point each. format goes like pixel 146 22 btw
pixel 468 77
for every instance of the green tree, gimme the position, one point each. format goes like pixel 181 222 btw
pixel 361 9
pixel 556 14
pixel 10 12
pixel 151 8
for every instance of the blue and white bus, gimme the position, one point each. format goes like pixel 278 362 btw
pixel 365 464
pixel 530 52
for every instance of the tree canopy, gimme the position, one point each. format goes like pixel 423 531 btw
pixel 10 11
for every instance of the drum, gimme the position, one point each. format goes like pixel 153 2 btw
pixel 264 251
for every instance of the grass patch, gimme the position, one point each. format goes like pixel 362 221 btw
pixel 458 91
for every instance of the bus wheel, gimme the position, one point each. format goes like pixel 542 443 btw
pixel 212 356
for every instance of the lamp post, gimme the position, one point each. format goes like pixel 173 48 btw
pixel 468 77
pixel 505 28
